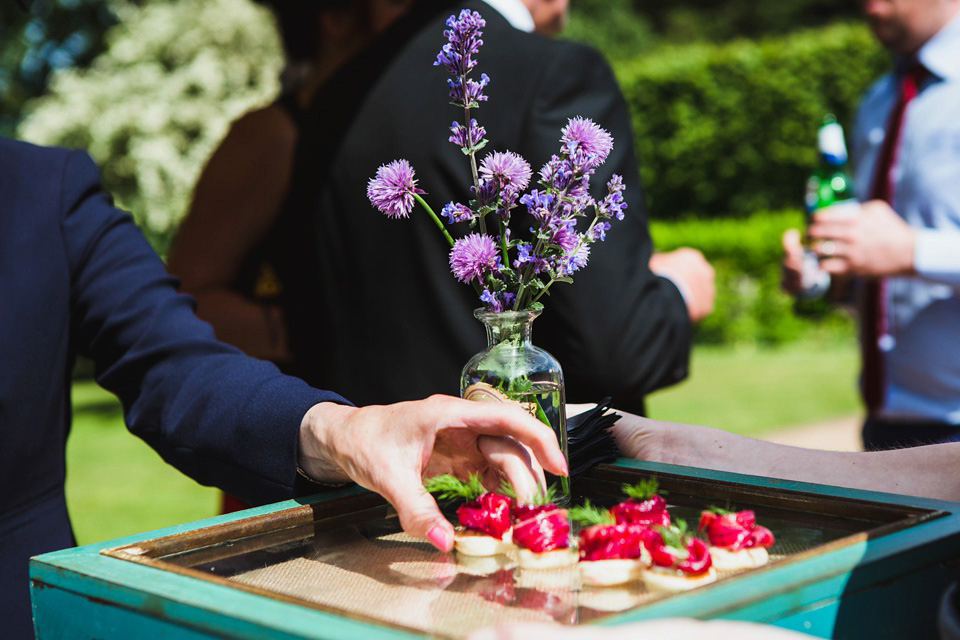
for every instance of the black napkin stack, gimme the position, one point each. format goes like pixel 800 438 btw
pixel 588 440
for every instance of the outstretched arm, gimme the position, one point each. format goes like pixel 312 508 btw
pixel 931 471
pixel 391 449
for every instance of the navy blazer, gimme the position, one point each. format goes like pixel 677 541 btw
pixel 78 277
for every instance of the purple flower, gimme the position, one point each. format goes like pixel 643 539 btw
pixel 573 261
pixel 525 255
pixel 540 205
pixel 565 235
pixel 391 191
pixel 463 42
pixel 457 212
pixel 497 301
pixel 467 138
pixel 557 173
pixel 467 92
pixel 472 256
pixel 507 170
pixel 582 134
pixel 612 206
pixel 598 231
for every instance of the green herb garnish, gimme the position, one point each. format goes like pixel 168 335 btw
pixel 589 515
pixel 719 510
pixel 539 498
pixel 643 490
pixel 450 487
pixel 674 535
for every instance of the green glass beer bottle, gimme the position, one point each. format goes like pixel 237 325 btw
pixel 829 185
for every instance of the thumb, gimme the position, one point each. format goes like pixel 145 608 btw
pixel 791 242
pixel 419 515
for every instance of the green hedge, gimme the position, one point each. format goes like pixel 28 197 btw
pixel 746 255
pixel 730 130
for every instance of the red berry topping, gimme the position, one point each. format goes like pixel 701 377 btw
pixel 735 531
pixel 693 558
pixel 652 511
pixel 489 514
pixel 545 530
pixel 611 541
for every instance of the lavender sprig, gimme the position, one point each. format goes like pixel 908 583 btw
pixel 509 273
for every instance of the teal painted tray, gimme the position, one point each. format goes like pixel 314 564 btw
pixel 846 564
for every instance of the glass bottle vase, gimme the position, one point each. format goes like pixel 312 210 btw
pixel 512 369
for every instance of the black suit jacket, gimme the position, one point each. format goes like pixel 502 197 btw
pixel 404 325
pixel 77 276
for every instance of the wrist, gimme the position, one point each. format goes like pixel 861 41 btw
pixel 318 451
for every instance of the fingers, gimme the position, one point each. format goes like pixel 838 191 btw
pixel 492 419
pixel 418 512
pixel 792 245
pixel 514 461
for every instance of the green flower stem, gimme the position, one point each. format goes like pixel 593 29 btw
pixel 543 291
pixel 443 230
pixel 503 242
pixel 446 234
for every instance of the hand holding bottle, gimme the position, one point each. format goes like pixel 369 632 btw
pixel 875 242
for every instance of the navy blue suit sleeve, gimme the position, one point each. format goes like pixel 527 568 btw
pixel 620 330
pixel 217 415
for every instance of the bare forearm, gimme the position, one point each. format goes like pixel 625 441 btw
pixel 930 471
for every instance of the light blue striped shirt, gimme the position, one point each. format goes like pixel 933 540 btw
pixel 922 341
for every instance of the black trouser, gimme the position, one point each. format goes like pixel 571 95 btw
pixel 880 434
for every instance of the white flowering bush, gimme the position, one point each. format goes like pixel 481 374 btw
pixel 152 107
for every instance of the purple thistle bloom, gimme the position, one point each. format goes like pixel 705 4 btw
pixel 507 170
pixel 472 256
pixel 457 212
pixel 391 191
pixel 467 138
pixel 583 134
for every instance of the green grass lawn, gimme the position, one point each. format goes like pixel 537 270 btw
pixel 117 485
pixel 751 391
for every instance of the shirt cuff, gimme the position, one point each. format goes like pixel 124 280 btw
pixel 677 282
pixel 937 256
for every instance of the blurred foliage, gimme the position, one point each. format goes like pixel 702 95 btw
pixel 153 105
pixel 719 20
pixel 623 28
pixel 746 255
pixel 615 27
pixel 731 129
pixel 40 36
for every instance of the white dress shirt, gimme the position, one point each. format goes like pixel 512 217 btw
pixel 922 341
